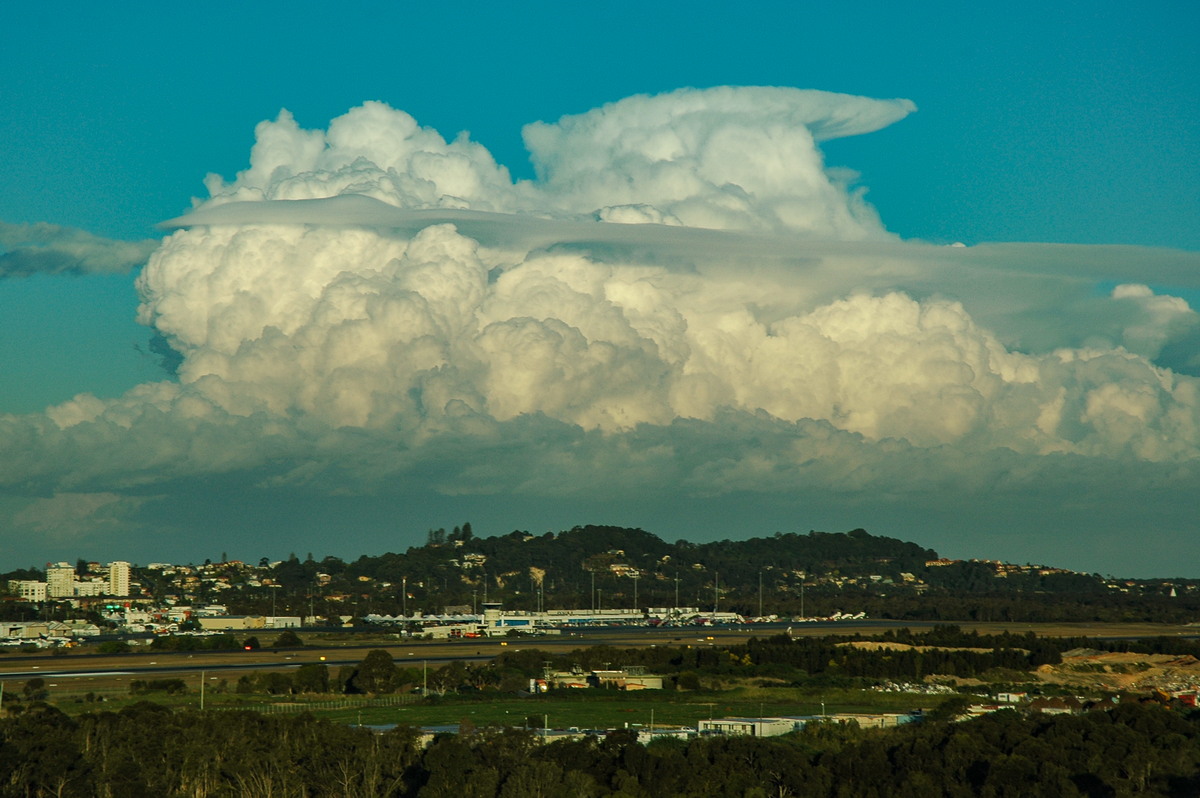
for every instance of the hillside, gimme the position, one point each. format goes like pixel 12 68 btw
pixel 786 574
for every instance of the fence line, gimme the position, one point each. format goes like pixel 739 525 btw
pixel 344 703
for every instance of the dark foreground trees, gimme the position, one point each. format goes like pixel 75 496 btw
pixel 147 750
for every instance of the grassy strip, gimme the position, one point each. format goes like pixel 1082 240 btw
pixel 583 709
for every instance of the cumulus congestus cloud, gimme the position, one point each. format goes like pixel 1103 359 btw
pixel 684 302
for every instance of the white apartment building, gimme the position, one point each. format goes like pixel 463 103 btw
pixel 60 580
pixel 93 587
pixel 27 590
pixel 118 578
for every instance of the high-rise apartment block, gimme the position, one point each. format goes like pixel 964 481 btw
pixel 118 578
pixel 60 580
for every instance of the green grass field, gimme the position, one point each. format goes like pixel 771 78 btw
pixel 618 710
pixel 582 709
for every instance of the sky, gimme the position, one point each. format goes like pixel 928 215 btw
pixel 302 278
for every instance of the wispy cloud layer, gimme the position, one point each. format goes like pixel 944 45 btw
pixel 685 303
pixel 27 249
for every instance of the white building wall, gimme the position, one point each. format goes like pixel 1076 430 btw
pixel 752 727
pixel 118 578
pixel 282 622
pixel 60 580
pixel 94 588
pixel 27 590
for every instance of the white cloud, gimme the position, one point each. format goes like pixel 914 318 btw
pixel 725 158
pixel 421 322
pixel 360 328
pixel 1157 319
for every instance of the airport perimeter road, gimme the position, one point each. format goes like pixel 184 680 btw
pixel 350 652
pixel 333 652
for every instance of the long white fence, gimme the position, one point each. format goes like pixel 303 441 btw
pixel 312 706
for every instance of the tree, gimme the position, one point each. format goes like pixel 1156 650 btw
pixel 251 643
pixel 35 689
pixel 288 639
pixel 950 709
pixel 312 678
pixel 377 673
pixel 113 647
pixel 275 683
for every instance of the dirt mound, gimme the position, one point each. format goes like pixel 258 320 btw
pixel 1096 670
pixel 873 645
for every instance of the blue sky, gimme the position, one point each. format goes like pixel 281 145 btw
pixel 1060 123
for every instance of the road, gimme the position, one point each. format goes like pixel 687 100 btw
pixel 324 648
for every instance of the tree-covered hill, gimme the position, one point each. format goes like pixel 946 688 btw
pixel 564 567
pixel 789 574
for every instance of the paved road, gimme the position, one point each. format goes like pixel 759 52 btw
pixel 326 649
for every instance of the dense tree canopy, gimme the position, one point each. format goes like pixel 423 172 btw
pixel 1129 749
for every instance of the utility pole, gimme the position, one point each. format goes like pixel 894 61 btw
pixel 593 573
pixel 635 601
pixel 760 594
pixel 716 592
pixel 403 596
pixel 677 592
